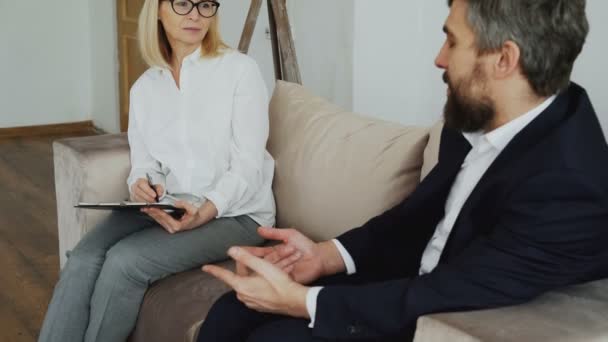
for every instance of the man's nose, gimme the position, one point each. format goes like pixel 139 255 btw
pixel 441 61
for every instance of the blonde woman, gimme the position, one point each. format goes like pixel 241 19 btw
pixel 198 127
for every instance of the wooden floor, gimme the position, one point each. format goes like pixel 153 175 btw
pixel 29 260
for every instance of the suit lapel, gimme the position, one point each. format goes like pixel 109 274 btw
pixel 429 198
pixel 531 135
pixel 454 148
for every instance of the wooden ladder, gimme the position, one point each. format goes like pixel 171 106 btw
pixel 283 48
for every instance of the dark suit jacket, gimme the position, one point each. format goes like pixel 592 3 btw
pixel 536 221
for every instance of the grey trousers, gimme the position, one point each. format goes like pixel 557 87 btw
pixel 103 283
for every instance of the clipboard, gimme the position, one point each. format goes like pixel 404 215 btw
pixel 174 211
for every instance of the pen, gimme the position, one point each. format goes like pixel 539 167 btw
pixel 152 186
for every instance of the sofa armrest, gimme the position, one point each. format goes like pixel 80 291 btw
pixel 577 313
pixel 87 169
pixel 181 303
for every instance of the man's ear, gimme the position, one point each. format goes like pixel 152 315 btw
pixel 507 62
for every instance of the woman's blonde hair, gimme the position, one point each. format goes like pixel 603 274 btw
pixel 154 45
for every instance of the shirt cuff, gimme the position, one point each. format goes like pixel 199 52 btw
pixel 348 260
pixel 219 202
pixel 157 177
pixel 311 303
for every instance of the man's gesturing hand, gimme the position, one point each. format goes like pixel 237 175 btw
pixel 304 260
pixel 268 289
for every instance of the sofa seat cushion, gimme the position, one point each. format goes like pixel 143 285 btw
pixel 335 169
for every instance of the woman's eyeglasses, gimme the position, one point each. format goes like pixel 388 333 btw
pixel 206 9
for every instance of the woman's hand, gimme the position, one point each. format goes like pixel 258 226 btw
pixel 142 192
pixel 193 218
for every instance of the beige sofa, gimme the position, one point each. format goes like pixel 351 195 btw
pixel 334 170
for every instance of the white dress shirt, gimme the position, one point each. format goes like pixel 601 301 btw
pixel 485 148
pixel 207 137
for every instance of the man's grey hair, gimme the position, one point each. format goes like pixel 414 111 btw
pixel 549 33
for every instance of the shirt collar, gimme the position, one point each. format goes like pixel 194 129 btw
pixel 500 137
pixel 193 57
pixel 190 59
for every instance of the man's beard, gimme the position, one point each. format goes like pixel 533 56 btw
pixel 462 111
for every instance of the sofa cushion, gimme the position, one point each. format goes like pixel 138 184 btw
pixel 334 169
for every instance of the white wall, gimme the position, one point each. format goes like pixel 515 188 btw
pixel 377 62
pixel 323 33
pixel 590 69
pixel 394 51
pixel 45 59
pixel 79 78
pixel 104 106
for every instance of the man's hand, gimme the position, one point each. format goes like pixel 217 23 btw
pixel 193 218
pixel 142 192
pixel 268 289
pixel 303 259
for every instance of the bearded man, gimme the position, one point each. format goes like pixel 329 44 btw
pixel 517 205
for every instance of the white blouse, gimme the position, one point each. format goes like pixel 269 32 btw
pixel 208 137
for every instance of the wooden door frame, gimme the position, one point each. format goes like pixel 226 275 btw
pixel 123 73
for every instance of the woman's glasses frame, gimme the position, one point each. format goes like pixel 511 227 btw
pixel 215 4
